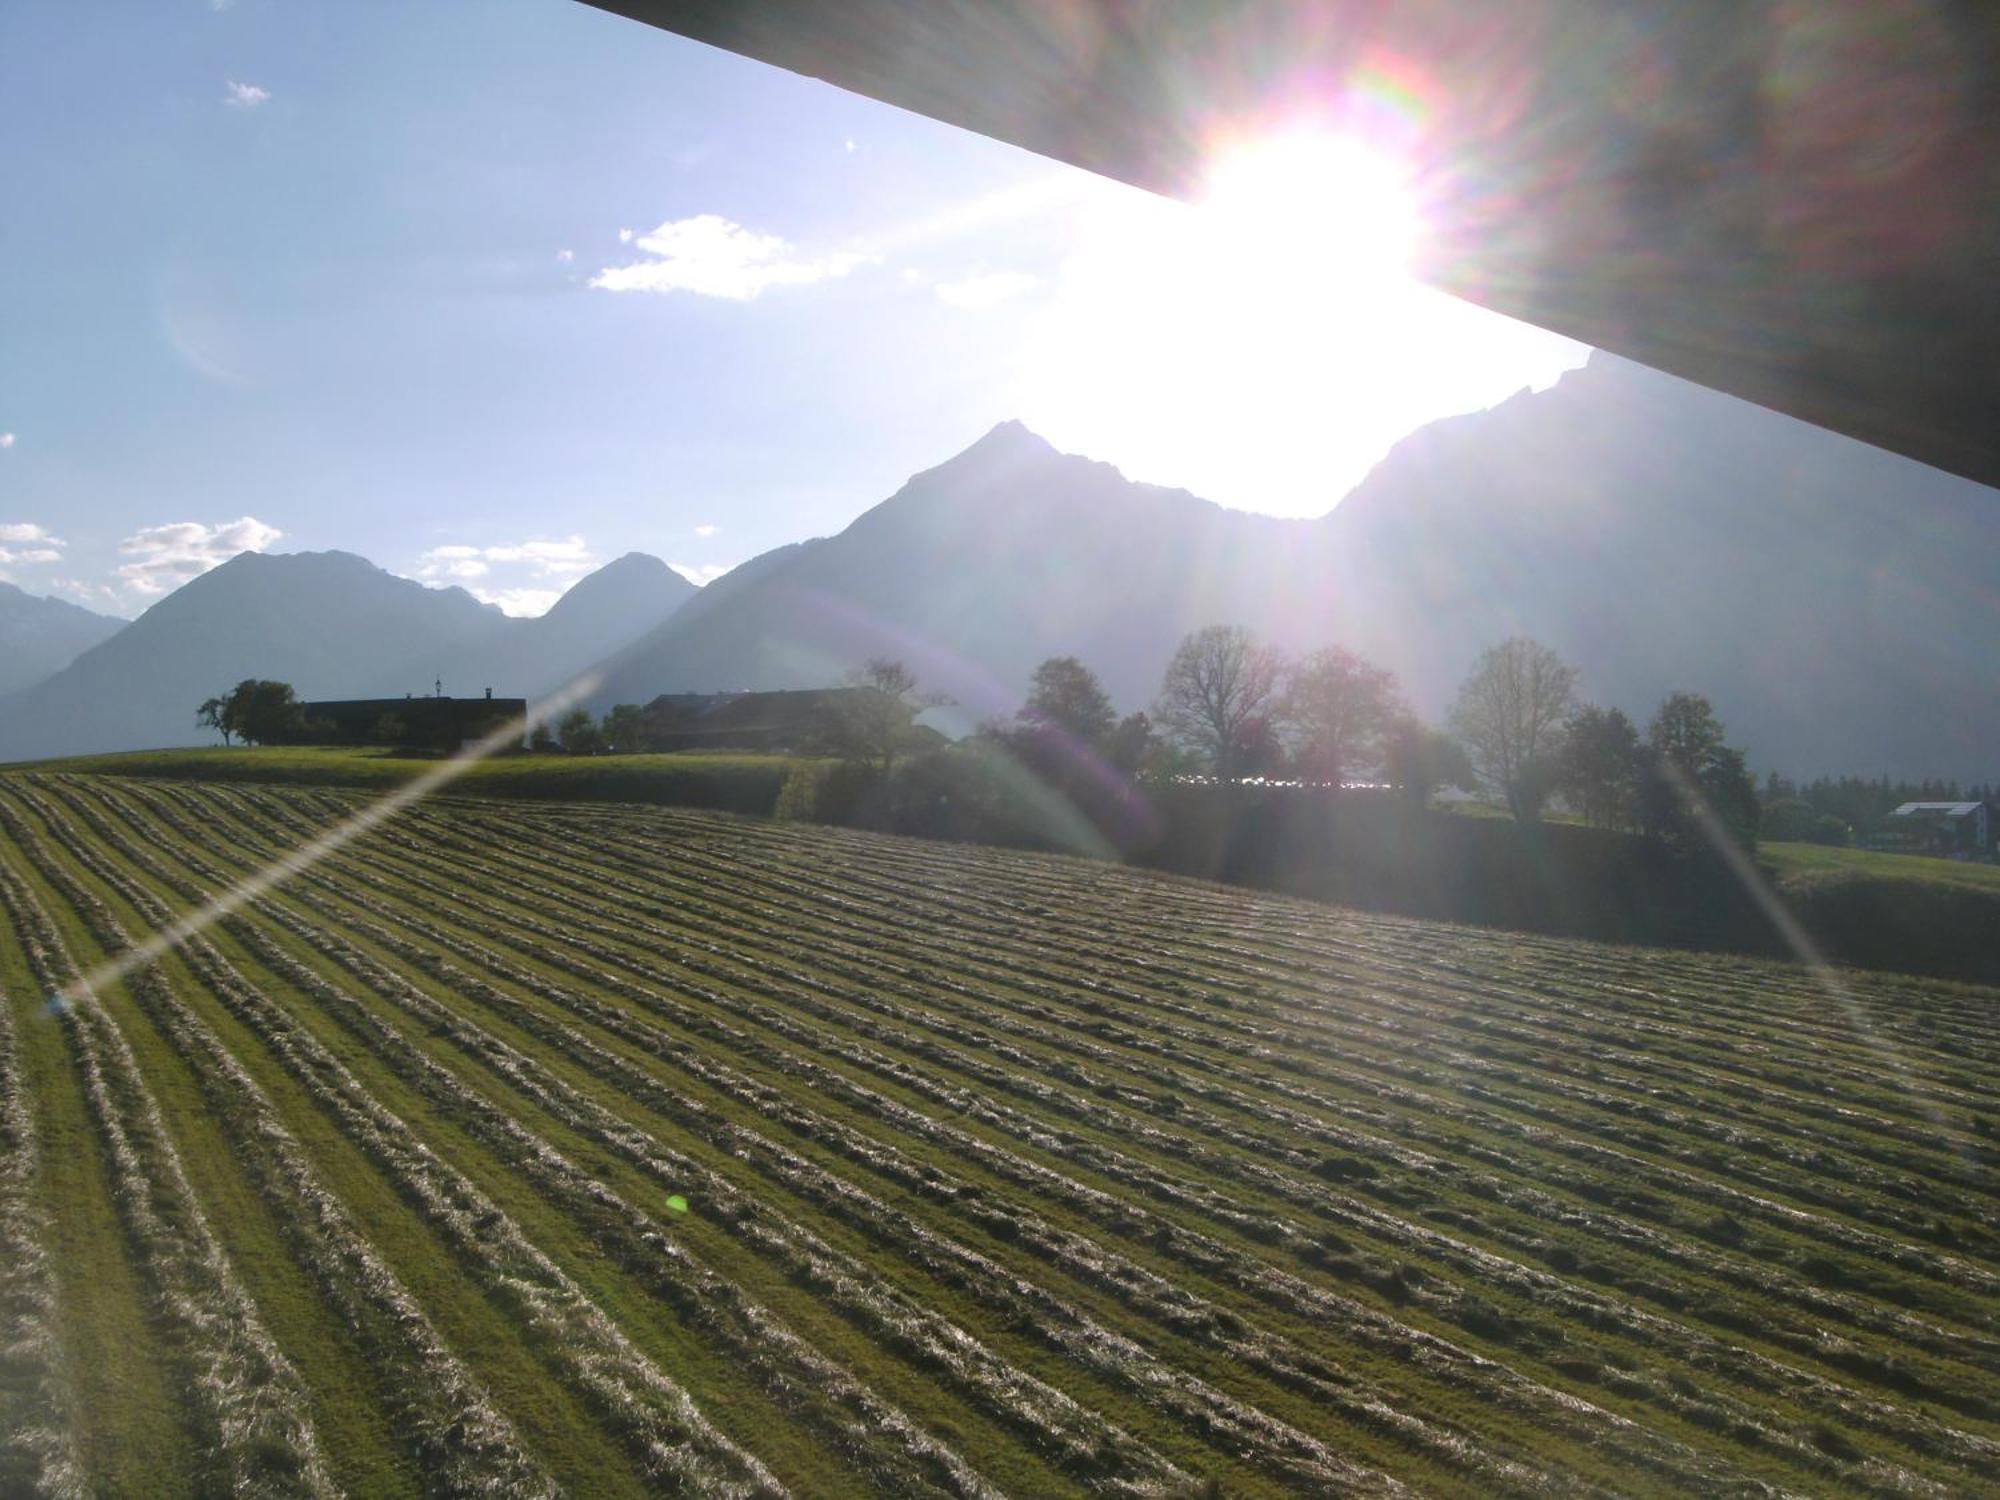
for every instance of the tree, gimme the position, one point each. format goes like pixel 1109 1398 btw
pixel 1131 745
pixel 1696 788
pixel 1219 680
pixel 874 722
pixel 1337 707
pixel 577 733
pixel 1509 715
pixel 1067 696
pixel 625 729
pixel 214 714
pixel 1418 760
pixel 542 739
pixel 1601 763
pixel 260 712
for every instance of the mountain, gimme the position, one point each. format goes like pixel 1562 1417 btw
pixel 975 571
pixel 39 636
pixel 609 609
pixel 1834 601
pixel 332 624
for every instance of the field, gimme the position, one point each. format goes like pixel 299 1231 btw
pixel 736 781
pixel 526 1148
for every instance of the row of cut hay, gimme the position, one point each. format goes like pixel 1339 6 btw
pixel 1537 1208
pixel 1704 1408
pixel 464 1445
pixel 37 1446
pixel 259 1438
pixel 681 1450
pixel 1869 1192
pixel 1707 1411
pixel 893 1453
pixel 1072 1436
pixel 1370 1412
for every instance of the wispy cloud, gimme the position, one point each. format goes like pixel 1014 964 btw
pixel 564 257
pixel 699 574
pixel 523 578
pixel 165 557
pixel 711 256
pixel 245 95
pixel 6 439
pixel 985 288
pixel 707 529
pixel 523 603
pixel 25 544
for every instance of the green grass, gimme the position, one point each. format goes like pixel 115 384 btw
pixel 735 781
pixel 1794 864
pixel 1220 1186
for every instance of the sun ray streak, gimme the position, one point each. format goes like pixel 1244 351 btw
pixel 297 861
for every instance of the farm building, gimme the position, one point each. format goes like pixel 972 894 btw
pixel 1957 830
pixel 434 722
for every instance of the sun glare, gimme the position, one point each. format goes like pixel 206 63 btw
pixel 1266 343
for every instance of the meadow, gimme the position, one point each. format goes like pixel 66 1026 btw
pixel 537 1147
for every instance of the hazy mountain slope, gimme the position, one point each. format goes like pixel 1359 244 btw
pixel 612 607
pixel 1837 603
pixel 975 571
pixel 39 637
pixel 330 623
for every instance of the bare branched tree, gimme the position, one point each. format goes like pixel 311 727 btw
pixel 1510 715
pixel 1220 680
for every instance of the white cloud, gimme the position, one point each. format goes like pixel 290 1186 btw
pixel 6 439
pixel 714 257
pixel 24 544
pixel 624 236
pixel 523 578
pixel 848 143
pixel 564 257
pixel 245 95
pixel 707 529
pixel 521 602
pixel 165 557
pixel 699 573
pixel 985 288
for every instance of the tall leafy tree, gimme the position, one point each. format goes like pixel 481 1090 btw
pixel 261 712
pixel 625 729
pixel 1601 763
pixel 1418 759
pixel 1337 708
pixel 1697 787
pixel 1220 679
pixel 1067 696
pixel 1510 715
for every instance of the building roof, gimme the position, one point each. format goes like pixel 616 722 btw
pixel 1943 809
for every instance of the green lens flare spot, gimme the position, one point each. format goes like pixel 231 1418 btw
pixel 678 1204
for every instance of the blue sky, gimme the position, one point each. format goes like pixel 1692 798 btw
pixel 494 291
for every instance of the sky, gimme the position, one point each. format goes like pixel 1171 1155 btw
pixel 492 293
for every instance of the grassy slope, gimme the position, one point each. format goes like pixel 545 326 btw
pixel 738 782
pixel 1223 1125
pixel 1796 864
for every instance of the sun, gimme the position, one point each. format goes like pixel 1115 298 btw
pixel 1324 205
pixel 1265 343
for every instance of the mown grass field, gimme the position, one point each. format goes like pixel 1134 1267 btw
pixel 734 781
pixel 526 1148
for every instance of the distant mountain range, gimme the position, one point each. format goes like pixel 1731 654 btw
pixel 334 626
pixel 1840 605
pixel 41 636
